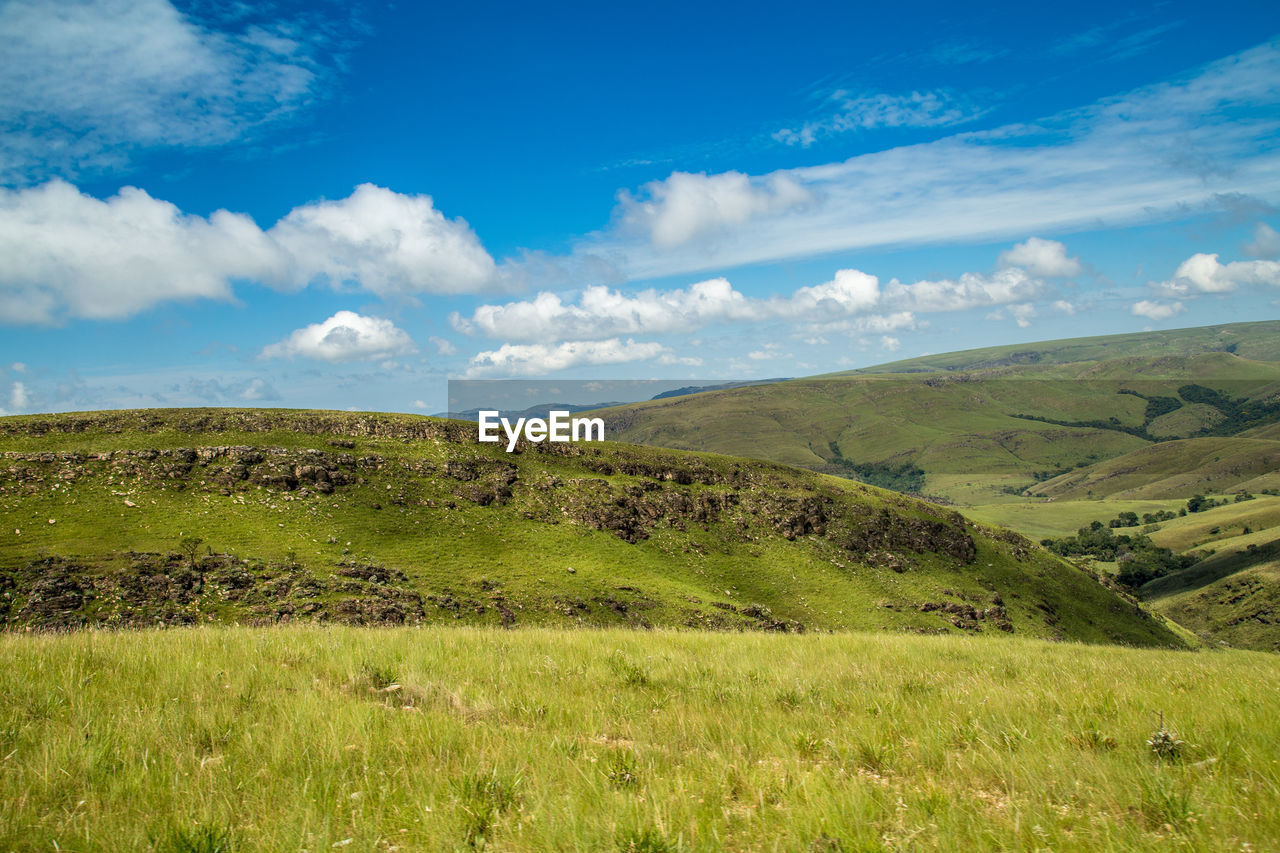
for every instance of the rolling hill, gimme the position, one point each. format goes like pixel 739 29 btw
pixel 1043 438
pixel 971 437
pixel 1173 469
pixel 179 516
pixel 1258 341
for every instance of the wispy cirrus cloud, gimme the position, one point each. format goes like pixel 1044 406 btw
pixel 85 85
pixel 849 112
pixel 1149 154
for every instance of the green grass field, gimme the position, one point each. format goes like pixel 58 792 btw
pixel 1053 519
pixel 317 739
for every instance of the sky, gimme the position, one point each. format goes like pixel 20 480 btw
pixel 343 205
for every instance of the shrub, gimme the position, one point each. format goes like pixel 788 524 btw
pixel 1164 744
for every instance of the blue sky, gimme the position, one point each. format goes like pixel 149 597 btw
pixel 341 205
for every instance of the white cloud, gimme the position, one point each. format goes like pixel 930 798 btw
pixel 865 112
pixel 1064 307
pixel 215 390
pixel 604 313
pixel 1265 242
pixel 852 301
pixel 884 322
pixel 18 367
pixel 684 361
pixel 66 254
pixel 970 290
pixel 386 243
pixel 686 206
pixel 346 336
pixel 890 343
pixel 1045 258
pixel 1157 310
pixel 419 404
pixel 1151 153
pixel 257 389
pixel 1203 273
pixel 443 346
pixel 849 292
pixel 83 82
pixel 537 359
pixel 18 397
pixel 1023 314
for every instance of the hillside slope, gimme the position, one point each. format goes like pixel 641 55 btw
pixel 1173 469
pixel 1257 341
pixel 972 436
pixel 384 518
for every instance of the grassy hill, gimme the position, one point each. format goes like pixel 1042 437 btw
pixel 1238 607
pixel 1256 341
pixel 973 437
pixel 366 518
pixel 1173 469
pixel 1043 438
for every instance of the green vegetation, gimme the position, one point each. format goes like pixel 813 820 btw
pixel 979 430
pixel 1139 560
pixel 1173 469
pixel 181 516
pixel 1238 609
pixel 1255 341
pixel 463 738
pixel 902 477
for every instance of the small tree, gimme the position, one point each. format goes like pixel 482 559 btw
pixel 189 546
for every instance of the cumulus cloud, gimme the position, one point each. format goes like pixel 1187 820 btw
pixel 537 359
pixel 386 243
pixel 81 83
pixel 66 254
pixel 1203 273
pixel 970 290
pixel 1157 310
pixel 686 206
pixel 865 112
pixel 601 312
pixel 604 313
pixel 1265 242
pixel 890 344
pixel 346 336
pixel 1045 258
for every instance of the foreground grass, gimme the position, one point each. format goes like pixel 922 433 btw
pixel 453 738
